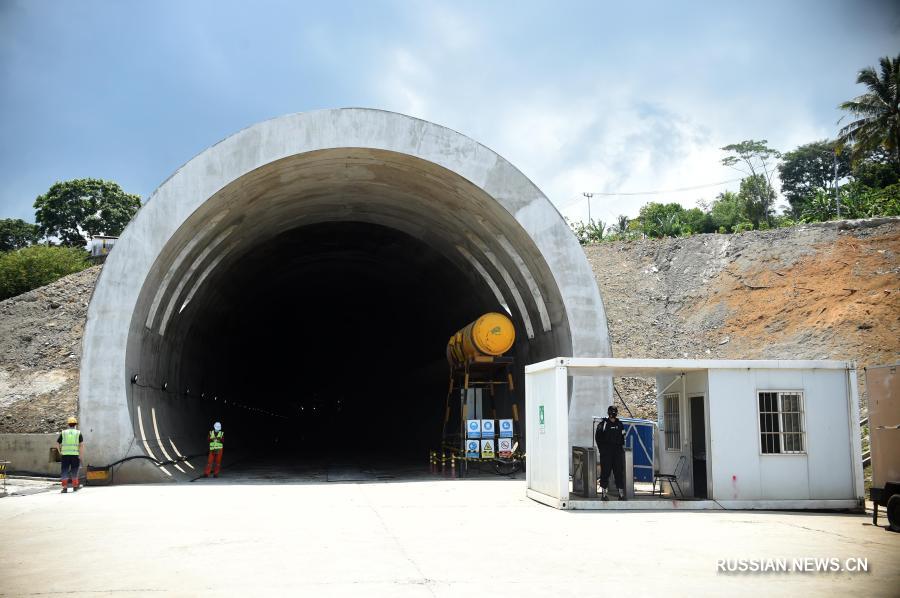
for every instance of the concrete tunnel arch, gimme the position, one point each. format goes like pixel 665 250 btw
pixel 342 246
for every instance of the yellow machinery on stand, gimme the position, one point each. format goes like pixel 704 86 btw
pixel 479 375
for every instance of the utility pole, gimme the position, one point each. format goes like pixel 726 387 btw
pixel 834 149
pixel 589 196
pixel 837 201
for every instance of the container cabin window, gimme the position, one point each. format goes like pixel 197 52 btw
pixel 781 422
pixel 672 421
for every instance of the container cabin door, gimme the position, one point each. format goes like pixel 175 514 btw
pixel 698 446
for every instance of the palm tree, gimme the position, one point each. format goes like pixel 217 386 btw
pixel 877 112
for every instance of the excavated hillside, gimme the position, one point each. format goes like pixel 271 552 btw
pixel 40 353
pixel 825 291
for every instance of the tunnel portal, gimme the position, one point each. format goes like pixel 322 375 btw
pixel 299 280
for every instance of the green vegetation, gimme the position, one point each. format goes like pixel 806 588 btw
pixel 855 176
pixel 73 211
pixel 68 214
pixel 808 169
pixel 877 112
pixel 31 267
pixel 756 160
pixel 16 233
pixel 592 232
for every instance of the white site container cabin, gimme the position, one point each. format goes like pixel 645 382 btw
pixel 101 245
pixel 753 434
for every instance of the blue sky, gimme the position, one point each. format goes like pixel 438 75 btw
pixel 581 96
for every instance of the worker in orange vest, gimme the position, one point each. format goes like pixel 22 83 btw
pixel 216 441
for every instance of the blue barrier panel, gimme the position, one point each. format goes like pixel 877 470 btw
pixel 639 434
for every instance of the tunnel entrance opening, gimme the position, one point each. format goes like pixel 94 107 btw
pixel 299 281
pixel 340 330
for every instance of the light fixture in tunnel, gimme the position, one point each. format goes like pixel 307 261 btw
pixel 165 386
pixel 134 379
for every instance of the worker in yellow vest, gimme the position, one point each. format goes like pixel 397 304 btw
pixel 216 440
pixel 70 444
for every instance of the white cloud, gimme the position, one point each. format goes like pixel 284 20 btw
pixel 406 80
pixel 605 135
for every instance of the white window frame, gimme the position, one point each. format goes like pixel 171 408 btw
pixel 676 431
pixel 779 393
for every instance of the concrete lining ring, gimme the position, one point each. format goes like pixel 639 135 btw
pixel 361 166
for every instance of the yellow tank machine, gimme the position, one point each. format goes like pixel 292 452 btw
pixel 479 373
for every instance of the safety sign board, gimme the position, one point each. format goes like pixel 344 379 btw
pixel 472 449
pixel 487 449
pixel 504 447
pixel 506 428
pixel 473 428
pixel 541 419
pixel 487 428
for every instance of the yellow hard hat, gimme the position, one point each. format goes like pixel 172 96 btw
pixel 72 421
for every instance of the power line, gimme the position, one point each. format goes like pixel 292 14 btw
pixel 657 192
pixel 668 190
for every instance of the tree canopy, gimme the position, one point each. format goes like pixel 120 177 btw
pixel 16 233
pixel 757 160
pixel 660 220
pixel 759 199
pixel 80 209
pixel 808 169
pixel 877 170
pixel 877 112
pixel 727 211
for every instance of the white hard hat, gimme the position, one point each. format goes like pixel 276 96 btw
pixel 217 426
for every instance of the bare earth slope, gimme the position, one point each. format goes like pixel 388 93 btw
pixel 827 291
pixel 40 353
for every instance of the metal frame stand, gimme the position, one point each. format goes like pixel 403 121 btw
pixel 482 372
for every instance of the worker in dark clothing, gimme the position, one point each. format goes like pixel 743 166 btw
pixel 70 443
pixel 610 437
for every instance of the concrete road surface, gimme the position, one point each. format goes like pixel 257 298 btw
pixel 411 538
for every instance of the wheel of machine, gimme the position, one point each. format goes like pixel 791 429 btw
pixel 506 466
pixel 893 513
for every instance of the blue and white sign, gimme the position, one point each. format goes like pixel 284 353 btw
pixel 473 448
pixel 487 428
pixel 506 428
pixel 473 428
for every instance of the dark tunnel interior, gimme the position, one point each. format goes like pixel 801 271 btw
pixel 340 330
pixel 305 300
